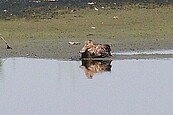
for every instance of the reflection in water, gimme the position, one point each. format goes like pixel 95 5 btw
pixel 1 63
pixel 55 87
pixel 0 66
pixel 91 67
pixel 1 76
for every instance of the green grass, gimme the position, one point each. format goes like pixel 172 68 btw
pixel 135 23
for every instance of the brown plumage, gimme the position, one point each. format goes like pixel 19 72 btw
pixel 91 67
pixel 91 50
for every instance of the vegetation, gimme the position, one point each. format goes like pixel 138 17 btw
pixel 45 31
pixel 125 19
pixel 136 23
pixel 48 8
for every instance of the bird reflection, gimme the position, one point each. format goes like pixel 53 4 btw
pixel 91 67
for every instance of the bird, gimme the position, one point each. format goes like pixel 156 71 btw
pixel 91 50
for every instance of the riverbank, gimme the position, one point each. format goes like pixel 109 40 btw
pixel 124 30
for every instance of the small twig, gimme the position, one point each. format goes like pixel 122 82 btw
pixel 8 46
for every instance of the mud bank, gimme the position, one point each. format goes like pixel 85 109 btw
pixel 60 49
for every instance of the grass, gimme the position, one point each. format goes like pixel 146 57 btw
pixel 135 23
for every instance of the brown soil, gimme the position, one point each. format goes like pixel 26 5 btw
pixel 60 49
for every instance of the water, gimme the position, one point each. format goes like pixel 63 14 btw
pixel 152 52
pixel 56 87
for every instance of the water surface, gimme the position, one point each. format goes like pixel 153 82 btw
pixel 149 52
pixel 56 87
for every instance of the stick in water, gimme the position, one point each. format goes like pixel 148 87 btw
pixel 8 46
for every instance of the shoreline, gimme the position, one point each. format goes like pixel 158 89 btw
pixel 60 49
pixel 132 30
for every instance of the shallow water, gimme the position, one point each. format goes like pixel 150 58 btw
pixel 56 87
pixel 149 52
